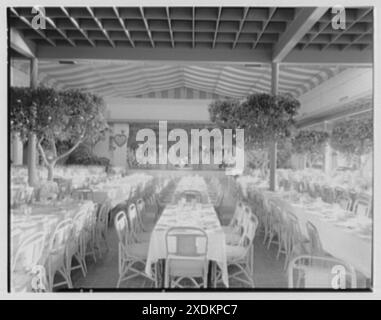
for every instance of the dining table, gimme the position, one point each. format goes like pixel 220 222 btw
pixel 182 214
pixel 343 234
pixel 39 217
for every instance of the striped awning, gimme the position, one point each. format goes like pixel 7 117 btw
pixel 150 80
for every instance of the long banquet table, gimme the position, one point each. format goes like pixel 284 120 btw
pixel 202 216
pixel 342 235
pixel 43 217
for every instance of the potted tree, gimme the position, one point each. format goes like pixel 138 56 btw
pixel 265 118
pixel 54 117
pixel 309 144
pixel 354 138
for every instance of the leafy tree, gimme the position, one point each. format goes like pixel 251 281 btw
pixel 56 118
pixel 264 117
pixel 353 137
pixel 310 144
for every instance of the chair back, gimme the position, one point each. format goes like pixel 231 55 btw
pixel 121 227
pixel 83 194
pixel 328 194
pixel 318 272
pixel 313 235
pixel 186 242
pixel 361 208
pixel 344 201
pixel 103 214
pixel 250 225
pixel 60 239
pixel 140 205
pixel 191 196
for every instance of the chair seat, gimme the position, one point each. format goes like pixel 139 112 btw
pixel 228 229
pixel 232 238
pixel 139 250
pixel 234 253
pixel 186 268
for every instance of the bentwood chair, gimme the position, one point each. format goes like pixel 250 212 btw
pixel 133 226
pixel 101 228
pixel 186 257
pixel 315 245
pixel 234 229
pixel 296 241
pixel 277 224
pixel 317 272
pixel 191 195
pixel 77 246
pixel 26 259
pixel 361 208
pixel 241 255
pixel 129 254
pixel 58 247
pixel 344 201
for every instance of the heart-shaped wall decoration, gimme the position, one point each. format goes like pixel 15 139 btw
pixel 120 139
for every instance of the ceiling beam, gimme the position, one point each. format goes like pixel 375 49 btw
pixel 297 29
pixel 170 27
pixel 245 12
pixel 99 24
pixel 193 26
pixel 53 24
pixel 167 55
pixel 147 27
pixel 217 26
pixel 264 26
pixel 76 24
pixel 21 45
pixel 29 24
pixel 334 57
pixel 339 34
pixel 351 56
pixel 127 33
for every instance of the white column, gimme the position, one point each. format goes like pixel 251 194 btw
pixel 273 144
pixel 327 153
pixel 16 150
pixel 32 139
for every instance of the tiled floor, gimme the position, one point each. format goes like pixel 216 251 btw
pixel 268 271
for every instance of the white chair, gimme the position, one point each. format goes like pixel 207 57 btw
pixel 308 271
pixel 90 231
pixel 57 259
pixel 26 259
pixel 361 208
pixel 129 253
pixel 77 243
pixel 186 257
pixel 241 255
pixel 233 231
pixel 133 225
pixel 101 228
pixel 278 225
pixel 296 243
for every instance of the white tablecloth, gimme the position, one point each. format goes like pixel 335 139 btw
pixel 200 216
pixel 338 236
pixel 43 217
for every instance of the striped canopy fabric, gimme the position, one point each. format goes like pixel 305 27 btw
pixel 150 80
